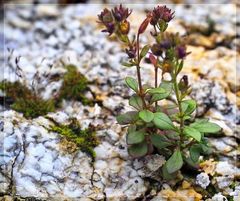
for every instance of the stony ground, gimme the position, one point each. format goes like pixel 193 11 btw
pixel 37 163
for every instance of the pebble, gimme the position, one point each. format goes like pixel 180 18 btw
pixel 226 169
pixel 47 11
pixel 203 180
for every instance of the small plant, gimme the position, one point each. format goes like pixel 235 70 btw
pixel 85 139
pixel 170 130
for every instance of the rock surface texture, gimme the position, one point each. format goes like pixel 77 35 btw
pixel 37 163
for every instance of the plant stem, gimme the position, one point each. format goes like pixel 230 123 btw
pixel 156 83
pixel 141 94
pixel 176 89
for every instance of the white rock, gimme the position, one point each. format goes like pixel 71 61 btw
pixel 105 151
pixel 236 194
pixel 219 197
pixel 48 10
pixel 224 181
pixel 60 117
pixel 202 180
pixel 112 134
pixel 76 46
pixel 18 22
pixel 52 41
pixel 224 168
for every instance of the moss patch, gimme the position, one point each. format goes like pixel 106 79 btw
pixel 74 86
pixel 23 100
pixel 85 139
pixel 31 104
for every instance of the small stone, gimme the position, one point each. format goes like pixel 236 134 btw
pixel 208 166
pixel 150 166
pixel 224 168
pixel 225 145
pixel 154 162
pixel 208 95
pixel 236 193
pixel 52 41
pixel 76 46
pixel 18 22
pixel 47 10
pixel 186 185
pixel 105 150
pixel 113 135
pixel 224 181
pixel 202 180
pixel 219 197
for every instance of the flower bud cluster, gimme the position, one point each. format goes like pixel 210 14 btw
pixel 170 45
pixel 115 21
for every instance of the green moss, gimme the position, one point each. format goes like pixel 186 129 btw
pixel 15 89
pixel 74 85
pixel 25 101
pixel 85 139
pixel 33 107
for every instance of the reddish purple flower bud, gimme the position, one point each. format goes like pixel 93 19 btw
pixel 161 13
pixel 120 13
pixel 109 28
pixel 131 52
pixel 165 44
pixel 153 59
pixel 106 19
pixel 181 52
pixel 144 25
pixel 167 15
pixel 156 50
pixel 105 16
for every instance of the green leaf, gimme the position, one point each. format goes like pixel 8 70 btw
pixel 146 115
pixel 157 90
pixel 126 64
pixel 180 66
pixel 131 128
pixel 167 86
pixel 190 162
pixel 166 175
pixel 192 132
pixel 135 137
pixel 132 83
pixel 123 38
pixel 144 51
pixel 146 87
pixel 136 102
pixel 160 141
pixel 188 106
pixel 127 118
pixel 195 151
pixel 175 162
pixel 201 120
pixel 162 121
pixel 138 150
pixel 206 149
pixel 206 127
